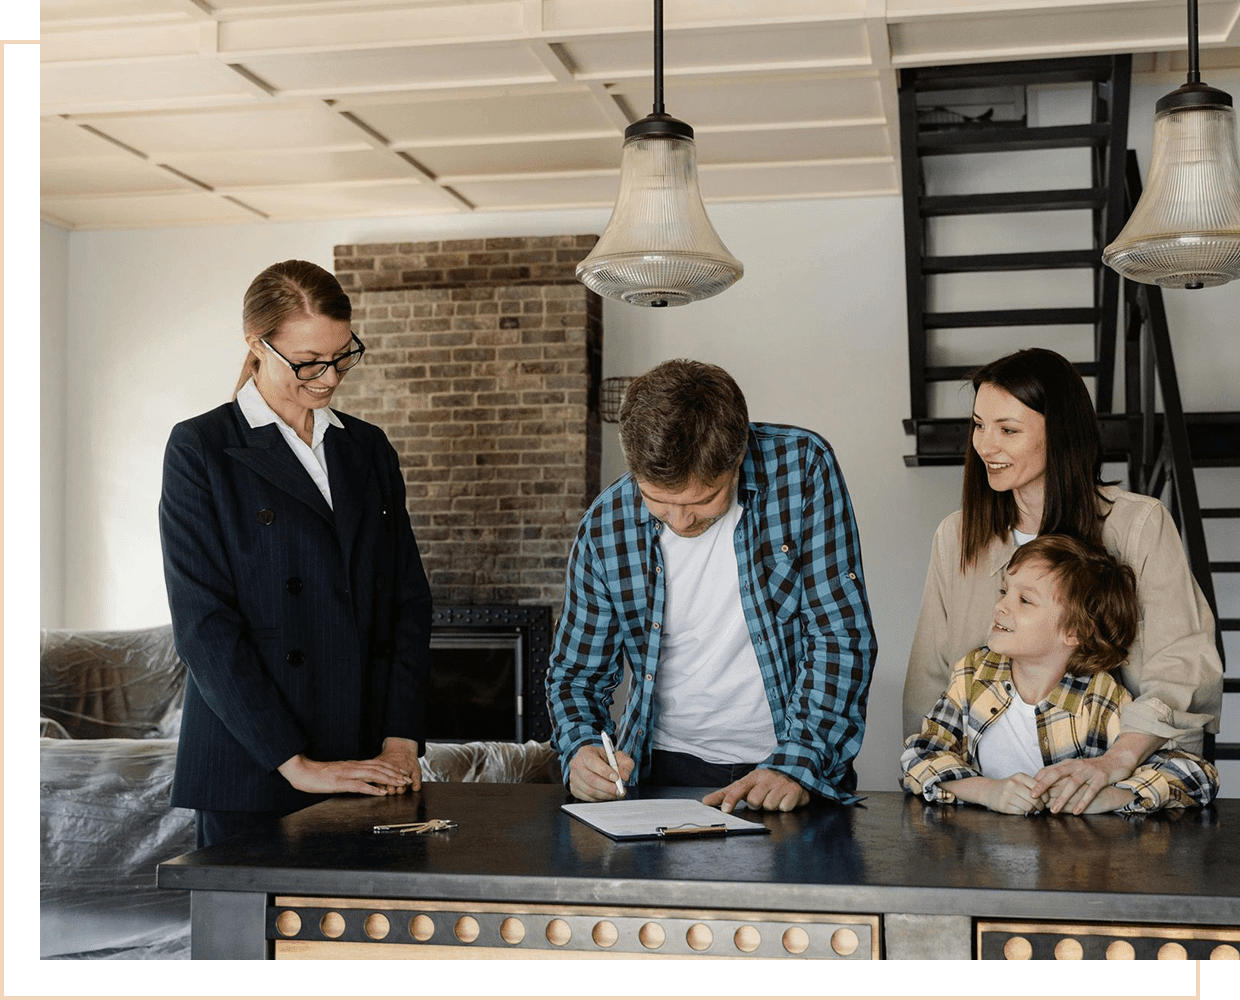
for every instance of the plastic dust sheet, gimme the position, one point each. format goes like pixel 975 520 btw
pixel 110 709
pixel 490 761
pixel 105 823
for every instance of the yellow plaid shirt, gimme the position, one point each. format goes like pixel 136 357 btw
pixel 1078 718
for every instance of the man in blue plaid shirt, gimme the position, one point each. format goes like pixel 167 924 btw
pixel 725 569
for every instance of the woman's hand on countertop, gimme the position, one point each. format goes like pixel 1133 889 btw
pixel 402 754
pixel 1071 785
pixel 366 777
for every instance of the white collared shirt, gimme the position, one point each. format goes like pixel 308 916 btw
pixel 312 456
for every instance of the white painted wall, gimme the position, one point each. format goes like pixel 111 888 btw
pixel 814 333
pixel 53 386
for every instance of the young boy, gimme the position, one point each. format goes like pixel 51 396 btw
pixel 1040 692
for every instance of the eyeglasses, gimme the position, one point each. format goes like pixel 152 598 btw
pixel 308 371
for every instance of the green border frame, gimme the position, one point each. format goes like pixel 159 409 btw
pixel 24 974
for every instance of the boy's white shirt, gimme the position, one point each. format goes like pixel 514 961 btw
pixel 1010 745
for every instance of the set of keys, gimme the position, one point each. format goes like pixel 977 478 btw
pixel 426 826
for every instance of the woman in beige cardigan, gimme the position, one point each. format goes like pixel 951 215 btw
pixel 1035 468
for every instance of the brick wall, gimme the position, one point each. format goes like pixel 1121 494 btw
pixel 482 365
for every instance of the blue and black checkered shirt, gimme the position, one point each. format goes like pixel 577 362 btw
pixel 799 561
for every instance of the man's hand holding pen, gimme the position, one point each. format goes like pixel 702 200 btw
pixel 592 779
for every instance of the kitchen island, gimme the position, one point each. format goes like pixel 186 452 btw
pixel 894 877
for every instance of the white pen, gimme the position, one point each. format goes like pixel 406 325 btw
pixel 611 759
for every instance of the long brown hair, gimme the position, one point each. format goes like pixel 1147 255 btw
pixel 289 288
pixel 1048 383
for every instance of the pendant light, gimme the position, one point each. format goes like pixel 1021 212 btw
pixel 659 249
pixel 1185 230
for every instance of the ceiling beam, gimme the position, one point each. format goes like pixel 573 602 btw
pixel 380 142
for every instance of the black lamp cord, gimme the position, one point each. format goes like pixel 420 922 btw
pixel 1194 73
pixel 658 54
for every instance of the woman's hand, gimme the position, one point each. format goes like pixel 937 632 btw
pixel 332 777
pixel 1071 785
pixel 402 754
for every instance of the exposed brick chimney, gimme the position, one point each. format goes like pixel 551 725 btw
pixel 483 361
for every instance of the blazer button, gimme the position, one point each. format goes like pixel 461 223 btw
pixel 293 585
pixel 266 515
pixel 295 657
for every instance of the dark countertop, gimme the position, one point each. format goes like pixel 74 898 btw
pixel 891 854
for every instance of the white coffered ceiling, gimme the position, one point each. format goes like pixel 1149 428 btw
pixel 181 112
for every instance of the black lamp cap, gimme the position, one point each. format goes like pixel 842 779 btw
pixel 1191 96
pixel 658 125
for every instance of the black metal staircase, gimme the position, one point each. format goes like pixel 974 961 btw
pixel 931 131
pixel 1168 445
pixel 1160 444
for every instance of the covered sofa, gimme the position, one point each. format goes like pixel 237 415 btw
pixel 110 710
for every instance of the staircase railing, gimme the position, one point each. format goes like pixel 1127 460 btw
pixel 1160 460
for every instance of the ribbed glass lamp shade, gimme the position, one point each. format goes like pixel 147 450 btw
pixel 1185 230
pixel 659 248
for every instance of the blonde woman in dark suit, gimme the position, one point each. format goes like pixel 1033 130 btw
pixel 298 598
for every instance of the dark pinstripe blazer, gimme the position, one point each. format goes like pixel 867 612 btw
pixel 305 630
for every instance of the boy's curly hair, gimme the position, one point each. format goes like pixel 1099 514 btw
pixel 1098 595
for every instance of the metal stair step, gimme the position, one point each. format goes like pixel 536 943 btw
pixel 1010 317
pixel 929 461
pixel 1012 201
pixel 999 139
pixel 953 373
pixel 1214 438
pixel 1040 260
pixel 1012 74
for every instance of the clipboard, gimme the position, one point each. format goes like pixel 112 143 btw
pixel 666 819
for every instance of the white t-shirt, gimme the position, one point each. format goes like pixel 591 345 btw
pixel 709 699
pixel 1010 745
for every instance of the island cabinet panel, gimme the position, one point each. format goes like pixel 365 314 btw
pixel 312 928
pixel 1015 940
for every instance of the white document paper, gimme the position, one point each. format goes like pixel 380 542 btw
pixel 632 819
